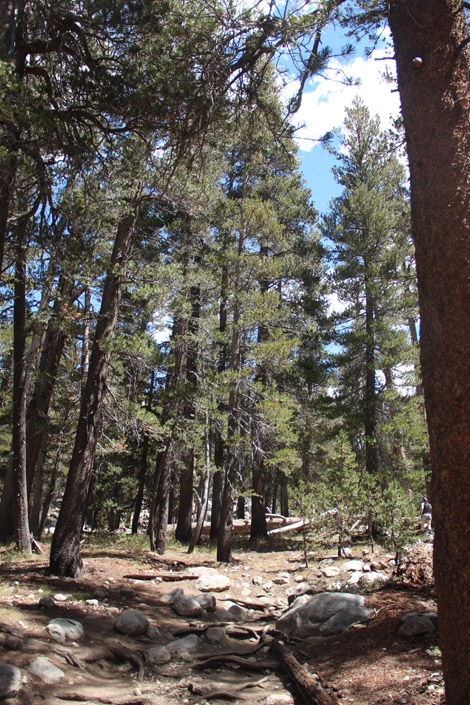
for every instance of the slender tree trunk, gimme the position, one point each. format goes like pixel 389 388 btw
pixel 196 535
pixel 20 490
pixel 65 557
pixel 143 463
pixel 433 63
pixel 258 507
pixel 370 403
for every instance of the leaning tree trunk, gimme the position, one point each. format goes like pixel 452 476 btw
pixel 65 557
pixel 433 63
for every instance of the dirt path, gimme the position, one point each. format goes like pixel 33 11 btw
pixel 366 665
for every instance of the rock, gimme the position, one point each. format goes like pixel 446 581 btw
pixel 221 615
pixel 92 602
pixel 10 681
pixel 257 580
pixel 216 636
pixel 237 612
pixel 330 571
pixel 45 670
pixel 187 606
pixel 352 566
pixel 207 602
pixel 213 583
pixel 268 586
pixel 355 578
pixel 158 655
pixel 187 644
pixel 59 597
pixel 101 593
pixel 415 624
pixel 280 580
pixel 201 570
pixel 62 630
pixel 325 614
pixel 170 597
pixel 127 592
pixel 347 552
pixel 46 602
pixel 279 699
pixel 302 589
pixel 372 580
pixel 132 623
pixel 153 633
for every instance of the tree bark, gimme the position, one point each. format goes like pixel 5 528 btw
pixel 433 65
pixel 65 557
pixel 20 490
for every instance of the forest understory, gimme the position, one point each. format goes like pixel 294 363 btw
pixel 366 664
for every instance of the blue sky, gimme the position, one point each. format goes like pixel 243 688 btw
pixel 323 107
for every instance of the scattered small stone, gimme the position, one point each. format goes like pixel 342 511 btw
pixel 158 655
pixel 101 593
pixel 258 580
pixel 278 699
pixel 152 632
pixel 353 566
pixel 10 680
pixel 127 592
pixel 187 644
pixel 45 670
pixel 170 597
pixel 132 623
pixel 59 597
pixel 280 580
pixel 46 602
pixel 216 635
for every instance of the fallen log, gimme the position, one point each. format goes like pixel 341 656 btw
pixel 166 577
pixel 295 526
pixel 310 688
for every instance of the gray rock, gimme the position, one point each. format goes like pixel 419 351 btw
pixel 170 597
pixel 201 570
pixel 416 624
pixel 221 615
pixel 132 623
pixel 353 565
pixel 127 592
pixel 187 606
pixel 207 602
pixel 152 632
pixel 59 597
pixel 280 580
pixel 216 636
pixel 327 613
pixel 46 602
pixel 101 593
pixel 10 680
pixel 158 655
pixel 330 571
pixel 212 583
pixel 279 699
pixel 257 580
pixel 237 612
pixel 372 580
pixel 45 670
pixel 187 644
pixel 62 630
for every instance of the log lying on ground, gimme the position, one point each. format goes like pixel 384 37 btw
pixel 310 689
pixel 166 577
pixel 215 661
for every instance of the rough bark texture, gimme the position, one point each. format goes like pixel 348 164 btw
pixel 433 64
pixel 20 493
pixel 65 550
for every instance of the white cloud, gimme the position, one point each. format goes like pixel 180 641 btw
pixel 324 101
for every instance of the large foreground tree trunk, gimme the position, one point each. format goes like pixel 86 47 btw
pixel 65 557
pixel 433 64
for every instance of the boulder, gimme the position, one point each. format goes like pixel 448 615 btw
pixel 63 629
pixel 45 670
pixel 10 681
pixel 187 606
pixel 325 614
pixel 46 602
pixel 213 582
pixel 216 636
pixel 132 623
pixel 186 645
pixel 170 597
pixel 353 565
pixel 373 580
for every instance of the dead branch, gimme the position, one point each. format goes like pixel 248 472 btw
pixel 209 692
pixel 309 687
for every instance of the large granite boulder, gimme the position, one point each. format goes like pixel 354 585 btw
pixel 325 614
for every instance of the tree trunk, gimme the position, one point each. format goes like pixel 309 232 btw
pixel 217 489
pixel 65 550
pixel 370 405
pixel 20 490
pixel 196 535
pixel 143 464
pixel 258 507
pixel 433 64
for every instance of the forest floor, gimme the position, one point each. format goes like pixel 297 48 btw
pixel 368 664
